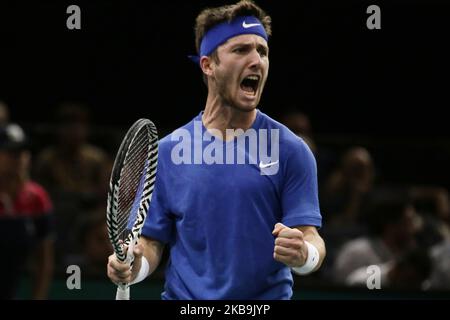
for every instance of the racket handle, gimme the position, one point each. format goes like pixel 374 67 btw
pixel 123 292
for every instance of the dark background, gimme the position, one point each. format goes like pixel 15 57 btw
pixel 130 57
pixel 386 89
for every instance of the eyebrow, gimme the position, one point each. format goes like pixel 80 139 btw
pixel 248 44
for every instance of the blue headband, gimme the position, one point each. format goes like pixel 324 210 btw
pixel 220 33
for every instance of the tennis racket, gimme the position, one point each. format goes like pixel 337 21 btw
pixel 130 191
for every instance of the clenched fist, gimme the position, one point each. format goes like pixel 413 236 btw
pixel 290 247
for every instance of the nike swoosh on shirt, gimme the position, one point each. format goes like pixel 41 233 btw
pixel 266 165
pixel 249 25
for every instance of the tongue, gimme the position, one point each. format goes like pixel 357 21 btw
pixel 247 88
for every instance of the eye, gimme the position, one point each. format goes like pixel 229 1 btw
pixel 239 50
pixel 262 51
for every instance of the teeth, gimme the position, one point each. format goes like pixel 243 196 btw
pixel 256 78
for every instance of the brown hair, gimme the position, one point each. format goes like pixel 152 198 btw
pixel 210 17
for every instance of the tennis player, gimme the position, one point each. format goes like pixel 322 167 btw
pixel 237 217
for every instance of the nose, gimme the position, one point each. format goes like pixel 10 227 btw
pixel 255 59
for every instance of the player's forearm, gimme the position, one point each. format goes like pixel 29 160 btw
pixel 153 250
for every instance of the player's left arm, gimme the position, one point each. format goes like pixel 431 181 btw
pixel 290 247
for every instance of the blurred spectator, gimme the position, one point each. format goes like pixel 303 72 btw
pixel 345 198
pixel 440 277
pixel 73 165
pixel 25 219
pixel 76 174
pixel 433 205
pixel 437 199
pixel 409 271
pixel 96 246
pixel 393 226
pixel 346 193
pixel 300 124
pixel 94 243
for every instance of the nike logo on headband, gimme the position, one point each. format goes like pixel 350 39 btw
pixel 249 25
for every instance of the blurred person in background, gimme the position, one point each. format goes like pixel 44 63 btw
pixel 73 164
pixel 75 172
pixel 408 271
pixel 432 202
pixel 300 124
pixel 94 243
pixel 393 226
pixel 347 190
pixel 440 275
pixel 25 219
pixel 346 196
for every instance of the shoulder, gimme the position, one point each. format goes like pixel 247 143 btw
pixel 289 141
pixel 296 158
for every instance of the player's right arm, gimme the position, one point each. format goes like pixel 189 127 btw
pixel 120 272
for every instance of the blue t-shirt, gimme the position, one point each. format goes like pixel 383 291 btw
pixel 216 203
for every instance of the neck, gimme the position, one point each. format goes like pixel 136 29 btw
pixel 222 116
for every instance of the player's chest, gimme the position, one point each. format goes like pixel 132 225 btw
pixel 244 179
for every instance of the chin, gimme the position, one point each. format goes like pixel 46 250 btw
pixel 246 108
pixel 247 105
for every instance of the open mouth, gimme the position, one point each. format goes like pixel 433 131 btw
pixel 250 84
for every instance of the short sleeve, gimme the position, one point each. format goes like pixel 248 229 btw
pixel 300 200
pixel 159 223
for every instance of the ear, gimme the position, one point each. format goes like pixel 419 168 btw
pixel 206 63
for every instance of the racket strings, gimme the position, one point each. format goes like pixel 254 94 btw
pixel 128 198
pixel 145 188
pixel 126 221
pixel 129 182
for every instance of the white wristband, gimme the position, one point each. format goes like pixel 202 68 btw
pixel 143 272
pixel 311 261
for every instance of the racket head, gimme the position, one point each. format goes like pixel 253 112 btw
pixel 131 186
